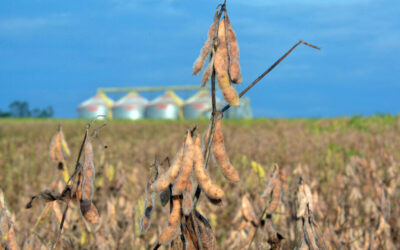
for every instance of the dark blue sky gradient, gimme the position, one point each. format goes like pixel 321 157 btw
pixel 59 52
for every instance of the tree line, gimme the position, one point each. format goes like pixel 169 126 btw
pixel 20 109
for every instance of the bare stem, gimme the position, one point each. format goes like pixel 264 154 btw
pixel 270 69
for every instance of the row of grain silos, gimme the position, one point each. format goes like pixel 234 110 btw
pixel 167 106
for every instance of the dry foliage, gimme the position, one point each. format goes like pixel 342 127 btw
pixel 352 169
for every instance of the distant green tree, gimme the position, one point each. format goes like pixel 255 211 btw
pixel 35 112
pixel 4 114
pixel 46 112
pixel 21 109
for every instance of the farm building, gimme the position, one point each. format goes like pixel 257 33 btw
pixel 169 105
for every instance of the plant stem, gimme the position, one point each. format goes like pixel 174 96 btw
pixel 270 69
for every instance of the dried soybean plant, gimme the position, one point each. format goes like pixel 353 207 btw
pixel 222 51
pixel 79 186
pixel 372 223
pixel 7 230
pixel 309 235
pixel 254 219
pixel 176 186
pixel 275 190
pixel 257 224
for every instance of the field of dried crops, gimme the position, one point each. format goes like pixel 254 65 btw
pixel 352 166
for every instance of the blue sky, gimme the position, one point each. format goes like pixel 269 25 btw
pixel 59 52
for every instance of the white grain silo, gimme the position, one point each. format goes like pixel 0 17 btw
pixel 132 106
pixel 98 106
pixel 166 106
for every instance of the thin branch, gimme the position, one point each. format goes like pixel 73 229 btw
pixel 78 163
pixel 270 69
pixel 213 98
pixel 213 120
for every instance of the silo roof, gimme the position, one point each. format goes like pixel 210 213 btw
pixel 100 99
pixel 202 96
pixel 132 97
pixel 170 97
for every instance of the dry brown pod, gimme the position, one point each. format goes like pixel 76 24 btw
pixel 3 225
pixel 3 230
pixel 89 211
pixel 238 216
pixel 248 210
pixel 221 62
pixel 189 244
pixel 7 233
pixel 221 65
pixel 187 203
pixel 304 199
pixel 229 93
pixel 58 147
pixel 283 180
pixel 233 48
pixel 270 187
pixel 186 167
pixel 205 238
pixel 206 49
pixel 174 220
pixel 88 172
pixel 78 192
pixel 8 237
pixel 170 175
pixel 309 235
pixel 12 240
pixel 58 213
pixel 208 71
pixel 220 155
pixel 275 198
pixel 211 190
pixel 189 185
pixel 149 202
pixel 85 187
pixel 274 189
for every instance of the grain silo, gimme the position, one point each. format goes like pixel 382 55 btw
pixel 98 106
pixel 166 106
pixel 196 106
pixel 241 112
pixel 132 106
